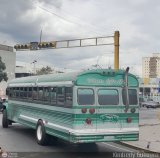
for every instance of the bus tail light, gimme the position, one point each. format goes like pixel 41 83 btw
pixel 88 121
pixel 129 120
pixel 84 110
pixel 92 111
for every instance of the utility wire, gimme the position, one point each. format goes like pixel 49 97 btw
pixel 62 17
pixel 69 21
pixel 56 15
pixel 90 25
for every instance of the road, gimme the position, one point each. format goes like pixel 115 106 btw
pixel 148 114
pixel 18 138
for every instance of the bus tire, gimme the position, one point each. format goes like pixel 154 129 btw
pixel 4 119
pixel 41 135
pixel 10 122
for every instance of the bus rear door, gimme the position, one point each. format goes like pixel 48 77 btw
pixel 108 111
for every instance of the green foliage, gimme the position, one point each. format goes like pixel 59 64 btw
pixel 3 75
pixel 44 70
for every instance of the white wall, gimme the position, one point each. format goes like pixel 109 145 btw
pixel 9 58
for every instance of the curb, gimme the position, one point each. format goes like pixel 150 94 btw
pixel 149 124
pixel 138 148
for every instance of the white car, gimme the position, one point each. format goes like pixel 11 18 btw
pixel 150 104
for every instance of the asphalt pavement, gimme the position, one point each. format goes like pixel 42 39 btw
pixel 149 135
pixel 148 114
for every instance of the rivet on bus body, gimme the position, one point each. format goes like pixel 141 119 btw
pixel 129 120
pixel 88 121
pixel 84 110
pixel 92 111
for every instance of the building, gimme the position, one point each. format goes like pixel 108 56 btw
pixel 150 82
pixel 151 66
pixel 22 71
pixel 9 58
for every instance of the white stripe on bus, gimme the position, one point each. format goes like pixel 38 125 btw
pixel 69 83
pixel 29 118
pixel 86 131
pixel 95 131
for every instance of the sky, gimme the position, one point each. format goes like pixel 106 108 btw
pixel 22 21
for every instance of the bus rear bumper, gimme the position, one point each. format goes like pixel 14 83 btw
pixel 108 136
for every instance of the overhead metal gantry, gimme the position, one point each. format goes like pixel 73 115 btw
pixel 84 42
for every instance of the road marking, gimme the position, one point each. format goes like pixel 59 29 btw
pixel 117 147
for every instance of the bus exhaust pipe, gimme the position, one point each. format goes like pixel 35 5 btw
pixel 126 89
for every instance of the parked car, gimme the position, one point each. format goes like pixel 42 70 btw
pixel 150 104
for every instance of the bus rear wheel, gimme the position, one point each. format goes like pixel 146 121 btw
pixel 41 135
pixel 4 119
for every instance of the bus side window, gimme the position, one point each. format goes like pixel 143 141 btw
pixel 10 92
pixel 53 95
pixel 35 93
pixel 60 96
pixel 40 93
pixel 17 92
pixel 7 91
pixel 46 94
pixel 29 93
pixel 68 96
pixel 25 92
pixel 14 92
pixel 21 92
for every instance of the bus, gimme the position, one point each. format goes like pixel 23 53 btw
pixel 88 106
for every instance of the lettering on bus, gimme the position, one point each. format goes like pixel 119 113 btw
pixel 106 82
pixel 109 118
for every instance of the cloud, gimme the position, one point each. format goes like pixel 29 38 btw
pixel 22 21
pixel 55 3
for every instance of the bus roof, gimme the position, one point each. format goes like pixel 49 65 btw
pixel 97 77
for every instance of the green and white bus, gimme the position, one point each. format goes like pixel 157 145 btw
pixel 80 107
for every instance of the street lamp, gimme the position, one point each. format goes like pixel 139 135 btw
pixel 34 62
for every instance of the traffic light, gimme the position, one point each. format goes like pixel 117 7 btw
pixel 22 46
pixel 47 44
pixel 35 45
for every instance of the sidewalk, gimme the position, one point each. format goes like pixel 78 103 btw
pixel 149 135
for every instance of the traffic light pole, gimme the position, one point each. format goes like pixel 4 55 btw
pixel 116 50
pixel 95 41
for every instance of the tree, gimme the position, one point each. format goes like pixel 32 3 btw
pixel 44 70
pixel 3 75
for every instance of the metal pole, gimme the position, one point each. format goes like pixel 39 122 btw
pixel 40 37
pixel 116 50
pixel 34 62
pixel 34 67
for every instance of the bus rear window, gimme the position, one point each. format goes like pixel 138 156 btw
pixel 85 96
pixel 132 96
pixel 108 97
